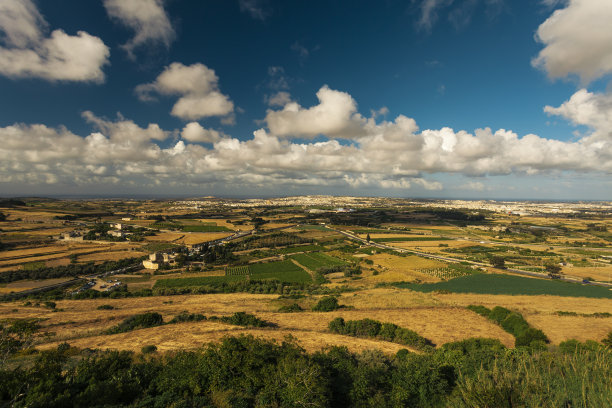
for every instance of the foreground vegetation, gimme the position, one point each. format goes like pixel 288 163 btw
pixel 248 372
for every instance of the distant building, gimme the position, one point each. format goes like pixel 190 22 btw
pixel 71 236
pixel 150 264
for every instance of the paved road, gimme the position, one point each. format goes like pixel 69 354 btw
pixel 455 260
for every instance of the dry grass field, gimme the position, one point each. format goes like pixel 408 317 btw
pixel 394 268
pixel 29 284
pixel 602 273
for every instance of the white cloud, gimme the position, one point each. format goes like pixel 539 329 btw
pixel 197 86
pixel 147 18
pixel 335 116
pixel 194 132
pixel 279 99
pixel 590 109
pixel 392 154
pixel 578 40
pixel 59 57
pixel 255 8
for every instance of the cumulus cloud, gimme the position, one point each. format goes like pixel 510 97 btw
pixel 279 99
pixel 194 132
pixel 26 52
pixel 390 155
pixel 590 109
pixel 147 18
pixel 197 86
pixel 577 40
pixel 335 116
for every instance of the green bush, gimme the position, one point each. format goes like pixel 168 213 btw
pixel 185 316
pixel 326 304
pixel 105 307
pixel 369 328
pixel 292 308
pixel 149 349
pixel 244 319
pixel 481 310
pixel 498 314
pixel 515 324
pixel 139 321
pixel 529 336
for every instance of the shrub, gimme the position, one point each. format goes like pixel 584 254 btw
pixel 187 317
pixel 515 324
pixel 480 309
pixel 498 314
pixel 387 331
pixel 244 319
pixel 50 305
pixel 105 307
pixel 529 336
pixel 327 304
pixel 292 308
pixel 337 325
pixel 139 321
pixel 149 349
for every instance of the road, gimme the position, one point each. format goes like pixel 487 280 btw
pixel 455 260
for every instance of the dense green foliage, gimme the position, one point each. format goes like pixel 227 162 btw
pixel 249 372
pixel 384 331
pixel 185 316
pixel 139 321
pixel 243 319
pixel 513 323
pixel 500 284
pixel 327 304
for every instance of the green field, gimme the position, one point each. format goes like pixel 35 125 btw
pixel 197 281
pixel 237 270
pixel 500 284
pixel 316 260
pixel 300 248
pixel 402 239
pixel 284 271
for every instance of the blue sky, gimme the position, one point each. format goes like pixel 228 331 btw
pixel 422 98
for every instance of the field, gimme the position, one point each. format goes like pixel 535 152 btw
pixel 316 260
pixel 499 284
pixel 424 295
pixel 393 268
pixel 284 271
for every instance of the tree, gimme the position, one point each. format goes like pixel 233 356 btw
pixel 554 270
pixel 2 217
pixel 368 238
pixel 498 262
